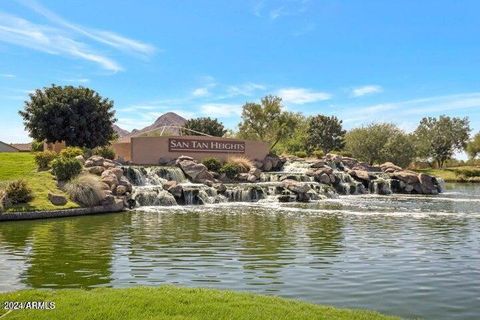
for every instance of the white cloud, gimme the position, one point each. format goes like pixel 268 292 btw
pixel 246 89
pixel 78 80
pixel 302 95
pixel 7 75
pixel 364 90
pixel 106 37
pixel 221 109
pixel 200 92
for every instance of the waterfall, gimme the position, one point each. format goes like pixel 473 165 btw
pixel 136 175
pixel 141 176
pixel 169 173
pixel 153 196
pixel 296 167
pixel 381 186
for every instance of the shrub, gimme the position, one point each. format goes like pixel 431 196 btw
pixel 18 192
pixel 66 168
pixel 244 164
pixel 43 159
pixel 230 169
pixel 318 154
pixel 87 152
pixel 213 164
pixel 105 152
pixel 301 154
pixel 37 146
pixel 85 189
pixel 3 200
pixel 344 153
pixel 71 152
pixel 468 173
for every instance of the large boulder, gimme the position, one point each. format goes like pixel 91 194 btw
pixel 295 186
pixel 406 176
pixel 57 199
pixel 98 170
pixel 360 174
pixel 94 161
pixel 428 184
pixel 196 172
pixel 389 167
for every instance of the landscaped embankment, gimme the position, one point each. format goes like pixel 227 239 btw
pixel 467 174
pixel 172 303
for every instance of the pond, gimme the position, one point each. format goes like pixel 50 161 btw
pixel 412 256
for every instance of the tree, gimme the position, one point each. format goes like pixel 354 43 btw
pixel 325 133
pixel 473 147
pixel 439 139
pixel 378 143
pixel 267 121
pixel 77 115
pixel 209 126
pixel 295 142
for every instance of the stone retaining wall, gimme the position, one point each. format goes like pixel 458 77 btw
pixel 31 215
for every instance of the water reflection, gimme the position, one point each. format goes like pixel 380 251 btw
pixel 405 255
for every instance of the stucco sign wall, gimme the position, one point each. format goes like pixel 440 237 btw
pixel 197 145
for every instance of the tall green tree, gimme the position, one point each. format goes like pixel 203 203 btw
pixel 381 142
pixel 473 147
pixel 267 121
pixel 209 126
pixel 438 139
pixel 325 133
pixel 295 142
pixel 77 115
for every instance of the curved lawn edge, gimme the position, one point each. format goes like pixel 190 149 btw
pixel 168 302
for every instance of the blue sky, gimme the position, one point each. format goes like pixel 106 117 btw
pixel 364 61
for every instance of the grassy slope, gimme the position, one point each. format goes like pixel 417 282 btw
pixel 452 174
pixel 169 302
pixel 21 165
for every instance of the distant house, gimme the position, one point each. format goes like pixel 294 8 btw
pixel 22 147
pixel 5 147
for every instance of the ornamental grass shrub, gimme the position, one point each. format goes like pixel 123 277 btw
pixel 65 169
pixel 212 164
pixel 105 152
pixel 231 169
pixel 301 154
pixel 318 154
pixel 16 192
pixel 244 164
pixel 71 152
pixel 86 190
pixel 44 158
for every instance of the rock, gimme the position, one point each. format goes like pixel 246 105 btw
pixel 325 179
pixel 120 190
pixel 242 177
pixel 98 170
pixel 208 183
pixel 267 165
pixel 176 190
pixel 197 172
pixel 408 177
pixel 252 178
pixel 183 158
pixel 123 181
pixel 57 199
pixel 117 172
pixel 258 164
pixel 360 174
pixel 105 186
pixel 276 162
pixel 167 185
pixel 81 159
pixel 318 164
pixel 94 161
pixel 108 164
pixel 295 186
pixel 428 184
pixel 256 172
pixel 220 188
pixel 110 179
pixel 163 161
pixel 285 198
pixel 390 167
pixel 108 200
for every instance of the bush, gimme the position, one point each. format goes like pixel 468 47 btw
pixel 243 164
pixel 105 152
pixel 43 159
pixel 344 153
pixel 213 164
pixel 301 154
pixel 318 154
pixel 87 152
pixel 18 192
pixel 230 169
pixel 86 189
pixel 468 173
pixel 66 168
pixel 37 146
pixel 71 152
pixel 3 200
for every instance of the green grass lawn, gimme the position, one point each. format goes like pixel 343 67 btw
pixel 169 302
pixel 21 165
pixel 455 174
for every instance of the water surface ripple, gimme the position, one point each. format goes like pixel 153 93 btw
pixel 412 256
